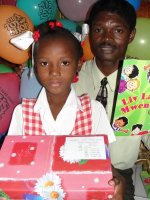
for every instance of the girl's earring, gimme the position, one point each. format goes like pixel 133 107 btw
pixel 76 78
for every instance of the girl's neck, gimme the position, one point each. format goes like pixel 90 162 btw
pixel 56 103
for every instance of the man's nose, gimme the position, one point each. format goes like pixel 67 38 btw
pixel 107 35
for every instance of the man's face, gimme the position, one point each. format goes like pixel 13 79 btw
pixel 109 37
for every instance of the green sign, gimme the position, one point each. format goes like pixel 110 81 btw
pixel 132 111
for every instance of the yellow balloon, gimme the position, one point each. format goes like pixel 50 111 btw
pixel 13 22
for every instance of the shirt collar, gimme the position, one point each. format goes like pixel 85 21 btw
pixel 72 101
pixel 98 75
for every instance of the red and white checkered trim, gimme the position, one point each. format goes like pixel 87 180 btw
pixel 31 120
pixel 83 124
pixel 33 123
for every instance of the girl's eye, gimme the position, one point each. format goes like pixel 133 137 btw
pixel 44 64
pixel 65 63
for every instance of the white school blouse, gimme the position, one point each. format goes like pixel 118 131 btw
pixel 65 120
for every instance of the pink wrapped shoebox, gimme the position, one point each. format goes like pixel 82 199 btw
pixel 56 167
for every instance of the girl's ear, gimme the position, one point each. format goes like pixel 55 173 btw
pixel 80 62
pixel 132 35
pixel 35 69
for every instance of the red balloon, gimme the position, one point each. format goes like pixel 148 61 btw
pixel 8 2
pixel 9 98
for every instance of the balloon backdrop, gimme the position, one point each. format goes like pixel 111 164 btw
pixel 140 47
pixel 8 2
pixel 5 69
pixel 9 98
pixel 75 10
pixel 29 86
pixel 68 24
pixel 13 22
pixel 87 53
pixel 135 3
pixel 39 11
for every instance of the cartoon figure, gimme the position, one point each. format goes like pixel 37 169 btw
pixel 148 75
pixel 131 71
pixel 131 85
pixel 147 67
pixel 119 123
pixel 136 130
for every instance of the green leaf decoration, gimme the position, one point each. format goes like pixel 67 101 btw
pixel 4 195
pixel 81 162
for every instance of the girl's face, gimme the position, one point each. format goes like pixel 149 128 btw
pixel 56 64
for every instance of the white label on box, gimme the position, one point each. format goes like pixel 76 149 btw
pixel 88 148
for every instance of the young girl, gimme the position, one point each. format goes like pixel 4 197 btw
pixel 57 110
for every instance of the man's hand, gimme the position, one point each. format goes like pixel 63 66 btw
pixel 119 186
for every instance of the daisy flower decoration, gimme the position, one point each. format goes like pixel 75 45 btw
pixel 49 187
pixel 69 160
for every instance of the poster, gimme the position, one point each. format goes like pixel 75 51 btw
pixel 132 110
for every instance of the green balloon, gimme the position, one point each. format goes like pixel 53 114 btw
pixel 139 48
pixel 5 69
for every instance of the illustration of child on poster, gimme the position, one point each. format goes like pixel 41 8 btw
pixel 132 110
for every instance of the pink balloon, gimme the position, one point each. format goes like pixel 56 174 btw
pixel 8 2
pixel 75 10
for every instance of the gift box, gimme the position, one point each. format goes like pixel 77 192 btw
pixel 56 167
pixel 145 176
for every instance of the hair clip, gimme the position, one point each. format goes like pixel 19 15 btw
pixel 36 35
pixel 59 24
pixel 54 24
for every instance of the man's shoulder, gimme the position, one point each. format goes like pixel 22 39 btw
pixel 87 66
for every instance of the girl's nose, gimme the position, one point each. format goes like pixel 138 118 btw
pixel 54 70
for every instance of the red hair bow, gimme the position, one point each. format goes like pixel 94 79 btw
pixel 36 35
pixel 53 24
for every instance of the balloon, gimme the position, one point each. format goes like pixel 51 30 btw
pixel 135 3
pixel 8 2
pixel 140 47
pixel 75 10
pixel 68 24
pixel 9 98
pixel 39 11
pixel 5 69
pixel 29 87
pixel 13 22
pixel 87 53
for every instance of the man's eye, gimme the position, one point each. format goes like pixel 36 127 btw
pixel 119 30
pixel 98 30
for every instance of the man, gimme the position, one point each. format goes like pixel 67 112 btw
pixel 111 29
